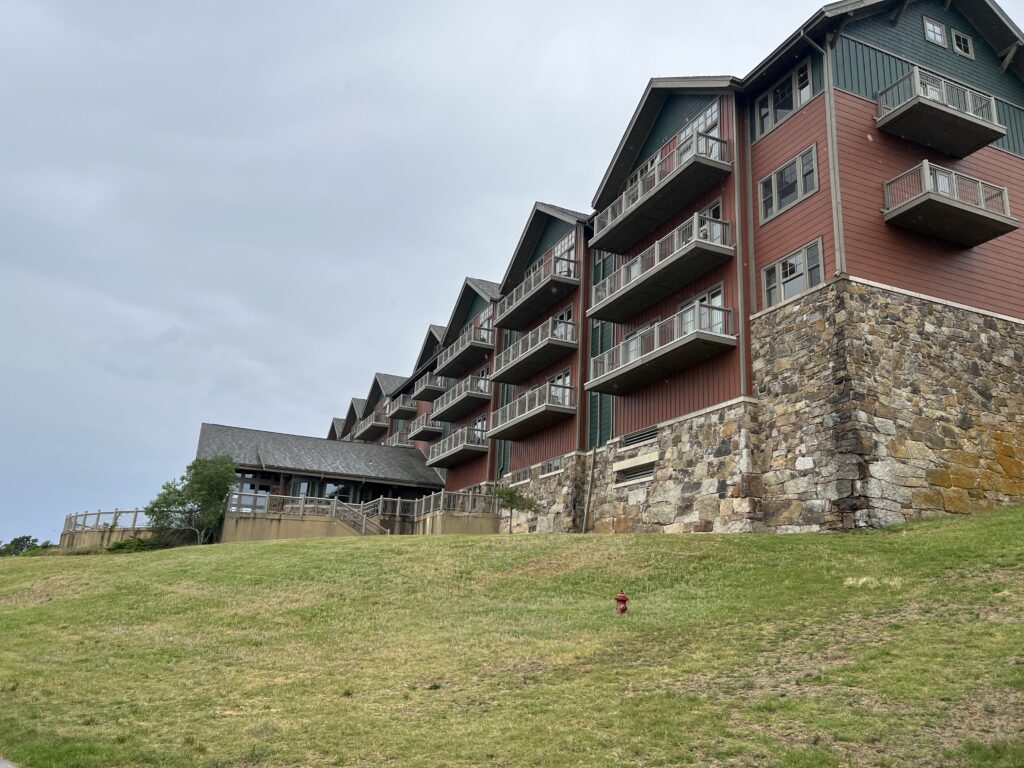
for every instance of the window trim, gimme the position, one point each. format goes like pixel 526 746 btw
pixel 775 265
pixel 801 194
pixel 706 295
pixel 970 43
pixel 926 21
pixel 767 94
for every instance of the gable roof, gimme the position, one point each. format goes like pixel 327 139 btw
pixel 429 347
pixel 317 456
pixel 540 214
pixel 383 385
pixel 471 286
pixel 354 414
pixel 335 430
pixel 985 15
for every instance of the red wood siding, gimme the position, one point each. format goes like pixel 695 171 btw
pixel 470 473
pixel 422 406
pixel 810 218
pixel 715 380
pixel 989 276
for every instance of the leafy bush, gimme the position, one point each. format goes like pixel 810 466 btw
pixel 135 544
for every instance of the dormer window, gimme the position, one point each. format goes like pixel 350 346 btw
pixel 784 98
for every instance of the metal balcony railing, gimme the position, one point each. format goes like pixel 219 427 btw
pixel 534 400
pixel 476 384
pixel 927 177
pixel 563 330
pixel 467 436
pixel 919 82
pixel 400 403
pixel 399 439
pixel 697 144
pixel 425 421
pixel 549 266
pixel 692 318
pixel 376 419
pixel 697 228
pixel 469 335
pixel 430 381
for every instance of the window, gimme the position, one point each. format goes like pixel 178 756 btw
pixel 696 315
pixel 639 342
pixel 711 227
pixel 479 427
pixel 934 32
pixel 562 328
pixel 784 98
pixel 706 122
pixel 963 44
pixel 559 391
pixel 789 184
pixel 793 274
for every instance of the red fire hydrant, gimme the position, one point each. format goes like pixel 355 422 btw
pixel 620 602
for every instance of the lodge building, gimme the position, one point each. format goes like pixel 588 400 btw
pixel 797 303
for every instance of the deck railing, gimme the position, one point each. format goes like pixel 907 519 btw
pixel 356 516
pixel 95 521
pixel 377 418
pixel 402 402
pixel 559 266
pixel 698 227
pixel 563 330
pixel 928 177
pixel 449 501
pixel 696 144
pixel 692 318
pixel 424 420
pixel 399 439
pixel 920 82
pixel 430 380
pixel 535 399
pixel 473 333
pixel 468 384
pixel 464 437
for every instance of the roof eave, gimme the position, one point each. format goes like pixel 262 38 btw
pixel 531 234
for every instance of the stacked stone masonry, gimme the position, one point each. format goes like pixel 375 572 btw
pixel 871 406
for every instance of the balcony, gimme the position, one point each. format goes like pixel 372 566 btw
pixel 429 387
pixel 930 110
pixel 549 281
pixel 469 395
pixel 399 440
pixel 372 427
pixel 697 164
pixel 471 349
pixel 694 248
pixel 425 428
pixel 694 334
pixel 535 351
pixel 458 448
pixel 538 408
pixel 401 407
pixel 942 203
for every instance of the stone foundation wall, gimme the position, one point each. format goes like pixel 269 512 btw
pixel 878 406
pixel 705 476
pixel 561 497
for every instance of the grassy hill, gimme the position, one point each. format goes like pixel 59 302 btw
pixel 889 648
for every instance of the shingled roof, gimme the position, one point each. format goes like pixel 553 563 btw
pixel 316 456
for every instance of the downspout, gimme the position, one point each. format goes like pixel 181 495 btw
pixel 833 161
pixel 742 326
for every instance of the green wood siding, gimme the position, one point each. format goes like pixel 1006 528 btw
pixel 865 71
pixel 676 112
pixel 907 39
pixel 554 230
pixel 479 305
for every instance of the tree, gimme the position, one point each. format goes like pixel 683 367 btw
pixel 194 502
pixel 18 546
pixel 514 501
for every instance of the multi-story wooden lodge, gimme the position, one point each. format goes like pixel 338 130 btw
pixel 798 302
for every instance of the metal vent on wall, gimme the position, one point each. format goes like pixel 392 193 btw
pixel 642 472
pixel 640 436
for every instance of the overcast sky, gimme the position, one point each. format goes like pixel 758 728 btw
pixel 236 212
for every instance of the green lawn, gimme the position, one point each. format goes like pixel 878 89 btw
pixel 889 648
